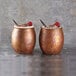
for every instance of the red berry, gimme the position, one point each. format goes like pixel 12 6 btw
pixel 57 24
pixel 29 23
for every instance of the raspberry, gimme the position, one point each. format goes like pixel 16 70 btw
pixel 29 23
pixel 57 24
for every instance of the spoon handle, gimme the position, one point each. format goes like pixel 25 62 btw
pixel 43 23
pixel 15 22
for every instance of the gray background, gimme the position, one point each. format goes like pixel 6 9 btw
pixel 33 10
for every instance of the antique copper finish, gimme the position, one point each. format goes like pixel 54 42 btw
pixel 23 39
pixel 51 40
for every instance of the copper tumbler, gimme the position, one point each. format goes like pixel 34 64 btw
pixel 51 40
pixel 23 39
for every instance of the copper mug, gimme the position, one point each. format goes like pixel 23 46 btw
pixel 51 40
pixel 23 39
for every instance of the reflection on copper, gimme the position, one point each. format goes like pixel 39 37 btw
pixel 51 40
pixel 23 39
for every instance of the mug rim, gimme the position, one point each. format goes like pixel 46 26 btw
pixel 43 27
pixel 22 27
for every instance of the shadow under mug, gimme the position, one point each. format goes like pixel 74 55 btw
pixel 51 40
pixel 23 39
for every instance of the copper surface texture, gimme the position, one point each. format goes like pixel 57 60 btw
pixel 51 40
pixel 23 40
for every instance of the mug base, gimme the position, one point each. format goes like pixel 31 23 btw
pixel 51 53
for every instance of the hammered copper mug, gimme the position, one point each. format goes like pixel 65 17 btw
pixel 23 39
pixel 51 40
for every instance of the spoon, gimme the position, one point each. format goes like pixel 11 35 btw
pixel 15 22
pixel 43 23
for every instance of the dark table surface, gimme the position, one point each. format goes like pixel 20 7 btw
pixel 38 64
